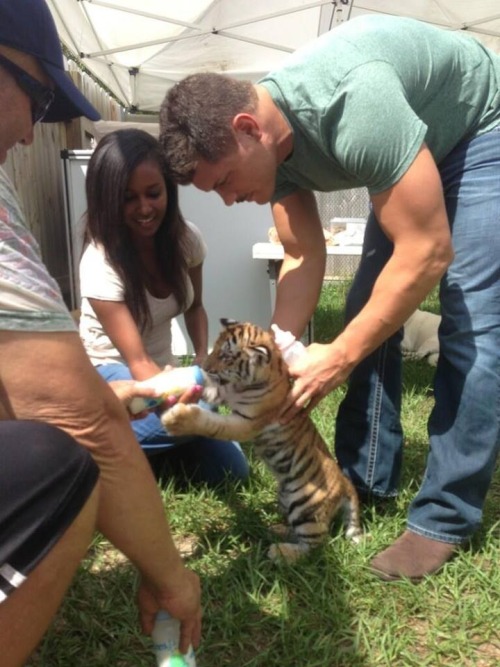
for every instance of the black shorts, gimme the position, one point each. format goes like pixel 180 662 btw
pixel 45 479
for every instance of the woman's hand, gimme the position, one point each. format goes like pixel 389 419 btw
pixel 200 358
pixel 190 395
pixel 126 390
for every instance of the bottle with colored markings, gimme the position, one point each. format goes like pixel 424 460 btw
pixel 168 383
pixel 166 643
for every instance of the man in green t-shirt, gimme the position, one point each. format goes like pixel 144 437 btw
pixel 412 113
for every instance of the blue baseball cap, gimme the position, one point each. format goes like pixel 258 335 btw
pixel 28 26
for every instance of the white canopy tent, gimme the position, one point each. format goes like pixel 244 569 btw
pixel 139 48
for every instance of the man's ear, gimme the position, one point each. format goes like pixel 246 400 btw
pixel 247 124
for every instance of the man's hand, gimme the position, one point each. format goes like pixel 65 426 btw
pixel 319 370
pixel 182 600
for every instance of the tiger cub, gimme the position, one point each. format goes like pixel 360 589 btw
pixel 246 373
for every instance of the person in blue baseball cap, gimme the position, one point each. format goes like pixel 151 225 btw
pixel 69 461
pixel 28 26
pixel 32 61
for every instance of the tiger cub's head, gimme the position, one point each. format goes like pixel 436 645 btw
pixel 245 355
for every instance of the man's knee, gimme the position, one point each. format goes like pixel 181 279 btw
pixel 46 480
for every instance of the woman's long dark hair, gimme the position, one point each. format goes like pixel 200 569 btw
pixel 108 174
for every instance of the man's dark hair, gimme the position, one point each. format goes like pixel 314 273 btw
pixel 196 117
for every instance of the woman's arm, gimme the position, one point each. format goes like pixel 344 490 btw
pixel 195 316
pixel 119 325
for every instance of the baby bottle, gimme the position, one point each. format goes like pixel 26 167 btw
pixel 167 383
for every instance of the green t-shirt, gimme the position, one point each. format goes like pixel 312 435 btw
pixel 363 98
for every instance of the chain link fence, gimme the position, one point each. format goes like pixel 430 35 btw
pixel 340 210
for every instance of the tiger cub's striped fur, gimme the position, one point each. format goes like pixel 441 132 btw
pixel 246 372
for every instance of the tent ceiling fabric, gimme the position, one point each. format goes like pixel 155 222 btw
pixel 140 48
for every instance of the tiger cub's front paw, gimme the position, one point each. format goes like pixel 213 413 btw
pixel 180 419
pixel 287 551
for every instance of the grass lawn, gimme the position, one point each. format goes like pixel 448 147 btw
pixel 325 611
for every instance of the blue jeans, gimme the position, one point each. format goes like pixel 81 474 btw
pixel 464 424
pixel 197 458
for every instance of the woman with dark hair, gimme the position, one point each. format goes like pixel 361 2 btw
pixel 141 267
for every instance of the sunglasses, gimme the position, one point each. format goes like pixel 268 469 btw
pixel 41 96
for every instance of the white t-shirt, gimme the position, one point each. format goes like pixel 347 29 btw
pixel 98 280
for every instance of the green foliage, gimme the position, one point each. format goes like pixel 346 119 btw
pixel 324 611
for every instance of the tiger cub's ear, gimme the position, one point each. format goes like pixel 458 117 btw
pixel 227 322
pixel 260 352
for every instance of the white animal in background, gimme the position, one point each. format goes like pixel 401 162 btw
pixel 420 339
